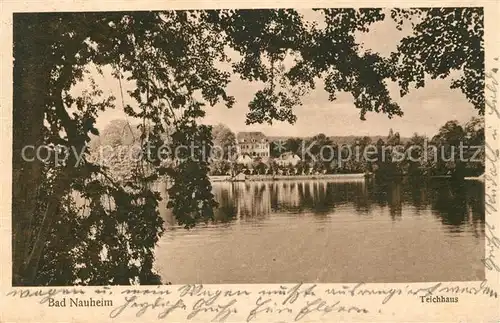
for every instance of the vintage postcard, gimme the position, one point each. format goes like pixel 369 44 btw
pixel 217 161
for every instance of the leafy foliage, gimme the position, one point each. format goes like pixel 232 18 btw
pixel 443 40
pixel 225 141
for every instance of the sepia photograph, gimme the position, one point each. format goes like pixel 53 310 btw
pixel 249 146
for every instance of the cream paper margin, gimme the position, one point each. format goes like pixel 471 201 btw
pixel 400 308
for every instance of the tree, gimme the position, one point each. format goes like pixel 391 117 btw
pixel 474 130
pixel 391 134
pixel 258 166
pixel 450 133
pixel 365 141
pixel 119 132
pixel 415 163
pixel 320 147
pixel 225 140
pixel 294 145
pixel 460 149
pixel 475 142
pixel 220 167
pixel 394 140
pixel 276 149
pixel 52 52
pixel 118 149
pixel 443 40
pixel 448 140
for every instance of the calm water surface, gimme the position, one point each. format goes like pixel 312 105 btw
pixel 327 231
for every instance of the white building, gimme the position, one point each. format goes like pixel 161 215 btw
pixel 254 144
pixel 244 160
pixel 288 159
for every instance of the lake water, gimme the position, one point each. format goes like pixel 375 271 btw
pixel 331 232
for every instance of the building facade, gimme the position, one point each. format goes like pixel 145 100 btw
pixel 288 159
pixel 253 144
pixel 244 160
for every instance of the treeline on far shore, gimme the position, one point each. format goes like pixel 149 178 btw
pixel 419 155
pixel 389 157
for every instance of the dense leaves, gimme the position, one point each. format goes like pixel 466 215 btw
pixel 444 40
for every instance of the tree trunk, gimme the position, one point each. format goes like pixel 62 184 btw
pixel 31 80
pixel 61 187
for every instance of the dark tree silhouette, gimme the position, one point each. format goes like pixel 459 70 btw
pixel 443 40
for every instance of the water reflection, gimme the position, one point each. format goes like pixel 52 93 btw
pixel 337 232
pixel 453 203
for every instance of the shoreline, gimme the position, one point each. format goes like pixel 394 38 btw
pixel 255 178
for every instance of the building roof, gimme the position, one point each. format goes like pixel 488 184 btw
pixel 251 136
pixel 289 155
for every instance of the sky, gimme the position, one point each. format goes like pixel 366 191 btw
pixel 425 109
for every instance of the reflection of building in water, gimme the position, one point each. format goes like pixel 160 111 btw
pixel 314 193
pixel 224 193
pixel 456 206
pixel 252 199
pixel 288 194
